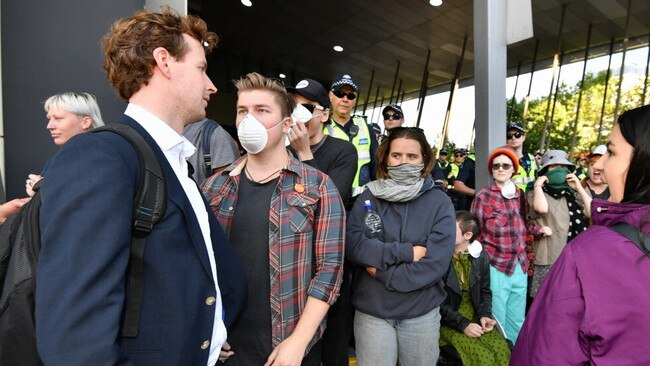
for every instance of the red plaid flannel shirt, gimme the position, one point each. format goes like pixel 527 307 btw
pixel 503 228
pixel 307 223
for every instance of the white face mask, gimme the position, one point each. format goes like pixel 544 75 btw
pixel 252 134
pixel 300 114
pixel 509 189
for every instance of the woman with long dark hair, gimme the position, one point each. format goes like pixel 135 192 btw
pixel 593 305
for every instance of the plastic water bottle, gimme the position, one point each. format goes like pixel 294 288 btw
pixel 372 222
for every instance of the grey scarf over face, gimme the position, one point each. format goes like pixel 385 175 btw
pixel 403 185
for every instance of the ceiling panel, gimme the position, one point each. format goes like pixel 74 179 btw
pixel 296 38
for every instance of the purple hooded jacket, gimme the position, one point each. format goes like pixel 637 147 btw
pixel 594 305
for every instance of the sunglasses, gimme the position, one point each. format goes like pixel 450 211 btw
pixel 312 107
pixel 504 166
pixel 515 135
pixel 340 94
pixel 395 116
pixel 459 155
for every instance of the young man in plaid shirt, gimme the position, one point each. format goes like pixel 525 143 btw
pixel 501 210
pixel 287 223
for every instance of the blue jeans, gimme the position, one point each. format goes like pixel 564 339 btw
pixel 383 341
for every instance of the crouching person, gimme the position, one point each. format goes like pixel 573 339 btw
pixel 468 328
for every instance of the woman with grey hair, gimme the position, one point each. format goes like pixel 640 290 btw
pixel 68 114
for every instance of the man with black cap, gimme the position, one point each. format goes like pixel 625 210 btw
pixel 338 159
pixel 464 183
pixel 334 157
pixel 515 137
pixel 441 168
pixel 442 162
pixel 343 94
pixel 393 117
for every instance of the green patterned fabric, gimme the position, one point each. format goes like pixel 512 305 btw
pixel 489 349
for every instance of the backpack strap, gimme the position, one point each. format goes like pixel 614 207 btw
pixel 148 208
pixel 522 204
pixel 633 234
pixel 208 128
pixel 32 230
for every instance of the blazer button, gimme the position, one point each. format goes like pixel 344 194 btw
pixel 205 345
pixel 210 300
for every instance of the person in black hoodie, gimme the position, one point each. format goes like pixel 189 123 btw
pixel 468 324
pixel 399 239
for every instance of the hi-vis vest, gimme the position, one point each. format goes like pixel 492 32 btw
pixel 454 171
pixel 523 177
pixel 361 142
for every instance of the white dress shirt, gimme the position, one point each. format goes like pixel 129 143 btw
pixel 177 149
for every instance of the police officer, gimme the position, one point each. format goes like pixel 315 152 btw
pixel 515 137
pixel 343 97
pixel 393 117
pixel 465 182
pixel 454 167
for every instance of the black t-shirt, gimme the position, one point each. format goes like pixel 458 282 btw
pixel 338 159
pixel 249 235
pixel 602 195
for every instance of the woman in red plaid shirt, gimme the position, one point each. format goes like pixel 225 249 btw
pixel 501 210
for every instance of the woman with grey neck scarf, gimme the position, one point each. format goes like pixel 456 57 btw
pixel 400 238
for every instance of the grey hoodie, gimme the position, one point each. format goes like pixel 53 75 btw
pixel 402 288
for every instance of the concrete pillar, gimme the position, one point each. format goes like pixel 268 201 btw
pixel 490 81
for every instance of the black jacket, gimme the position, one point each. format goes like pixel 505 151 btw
pixel 480 293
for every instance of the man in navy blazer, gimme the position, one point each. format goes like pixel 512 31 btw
pixel 194 285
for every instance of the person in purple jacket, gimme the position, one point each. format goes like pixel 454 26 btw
pixel 593 306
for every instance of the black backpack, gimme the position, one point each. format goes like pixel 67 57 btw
pixel 20 246
pixel 208 128
pixel 633 234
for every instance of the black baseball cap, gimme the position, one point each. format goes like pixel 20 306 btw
pixel 396 108
pixel 312 90
pixel 515 126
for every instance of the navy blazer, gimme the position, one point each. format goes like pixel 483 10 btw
pixel 86 217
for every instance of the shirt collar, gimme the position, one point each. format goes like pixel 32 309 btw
pixel 165 136
pixel 238 166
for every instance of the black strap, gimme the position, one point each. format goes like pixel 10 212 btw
pixel 31 229
pixel 148 208
pixel 208 128
pixel 522 204
pixel 633 234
